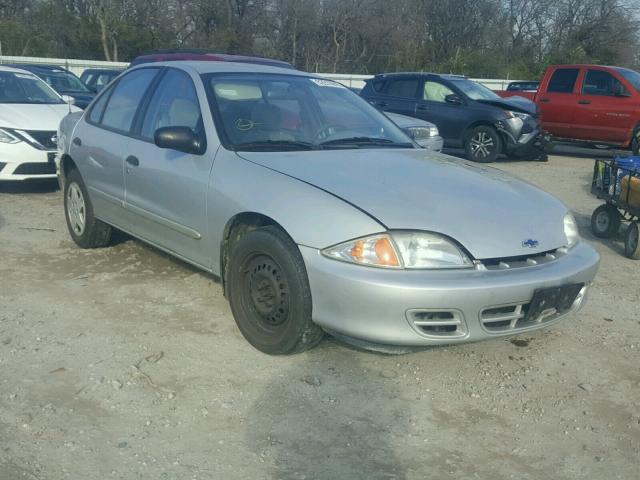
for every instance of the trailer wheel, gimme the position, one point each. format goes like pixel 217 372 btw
pixel 631 244
pixel 605 221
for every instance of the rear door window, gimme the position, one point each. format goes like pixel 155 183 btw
pixel 124 101
pixel 405 87
pixel 599 82
pixel 563 80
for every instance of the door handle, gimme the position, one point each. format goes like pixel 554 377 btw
pixel 584 102
pixel 131 160
pixel 77 141
pixel 545 100
pixel 422 107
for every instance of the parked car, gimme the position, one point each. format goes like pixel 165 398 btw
pixel 62 81
pixel 523 86
pixel 425 134
pixel 316 211
pixel 183 54
pixel 30 112
pixel 467 114
pixel 590 103
pixel 95 79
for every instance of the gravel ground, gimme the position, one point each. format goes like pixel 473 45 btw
pixel 124 363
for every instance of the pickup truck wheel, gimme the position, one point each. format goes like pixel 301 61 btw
pixel 269 293
pixel 483 144
pixel 605 221
pixel 631 243
pixel 635 142
pixel 85 230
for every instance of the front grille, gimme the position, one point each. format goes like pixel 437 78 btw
pixel 438 323
pixel 524 260
pixel 35 169
pixel 44 138
pixel 511 318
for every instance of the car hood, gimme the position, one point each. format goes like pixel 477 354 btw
pixel 489 212
pixel 519 104
pixel 30 116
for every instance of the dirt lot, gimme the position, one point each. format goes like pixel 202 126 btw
pixel 123 363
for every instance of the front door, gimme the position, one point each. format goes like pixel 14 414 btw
pixel 166 189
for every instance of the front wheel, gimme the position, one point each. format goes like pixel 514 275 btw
pixel 605 221
pixel 269 293
pixel 631 243
pixel 86 230
pixel 483 144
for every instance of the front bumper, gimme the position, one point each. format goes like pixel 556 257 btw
pixel 434 144
pixel 21 161
pixel 523 138
pixel 388 307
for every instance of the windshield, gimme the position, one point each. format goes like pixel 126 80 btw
pixel 286 112
pixel 474 90
pixel 25 88
pixel 632 77
pixel 62 81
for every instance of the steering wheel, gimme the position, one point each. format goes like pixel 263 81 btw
pixel 327 131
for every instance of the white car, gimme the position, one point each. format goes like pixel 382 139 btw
pixel 30 112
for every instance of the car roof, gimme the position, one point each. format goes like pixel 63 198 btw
pixel 202 67
pixel 103 70
pixel 448 76
pixel 34 67
pixel 7 68
pixel 204 55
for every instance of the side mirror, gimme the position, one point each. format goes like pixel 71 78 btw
pixel 182 139
pixel 620 91
pixel 453 99
pixel 68 99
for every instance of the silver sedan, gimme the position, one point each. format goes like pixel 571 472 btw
pixel 316 211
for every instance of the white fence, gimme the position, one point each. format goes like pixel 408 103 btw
pixel 78 66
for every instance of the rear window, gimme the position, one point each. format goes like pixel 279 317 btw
pixel 377 84
pixel 563 80
pixel 407 87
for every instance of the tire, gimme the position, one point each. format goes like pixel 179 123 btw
pixel 86 230
pixel 269 293
pixel 605 221
pixel 631 243
pixel 483 144
pixel 635 142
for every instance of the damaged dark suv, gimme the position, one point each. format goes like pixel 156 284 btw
pixel 467 114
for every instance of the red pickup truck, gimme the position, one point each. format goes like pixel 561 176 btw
pixel 589 103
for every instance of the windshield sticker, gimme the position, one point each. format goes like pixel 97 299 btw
pixel 327 83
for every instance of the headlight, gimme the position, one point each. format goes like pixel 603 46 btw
pixel 571 230
pixel 420 133
pixel 6 137
pixel 402 250
pixel 521 116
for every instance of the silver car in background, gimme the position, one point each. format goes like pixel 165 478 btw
pixel 316 211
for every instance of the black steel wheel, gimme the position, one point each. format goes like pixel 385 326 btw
pixel 269 293
pixel 483 144
pixel 631 243
pixel 605 221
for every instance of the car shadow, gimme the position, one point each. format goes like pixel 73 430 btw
pixel 326 416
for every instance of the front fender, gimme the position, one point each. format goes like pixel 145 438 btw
pixel 312 217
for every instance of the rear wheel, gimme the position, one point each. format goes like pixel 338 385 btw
pixel 631 243
pixel 605 221
pixel 635 142
pixel 269 293
pixel 483 144
pixel 86 230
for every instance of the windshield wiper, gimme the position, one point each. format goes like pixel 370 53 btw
pixel 275 145
pixel 364 142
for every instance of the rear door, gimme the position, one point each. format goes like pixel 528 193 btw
pixel 99 139
pixel 558 101
pixel 604 108
pixel 165 190
pixel 432 107
pixel 399 95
